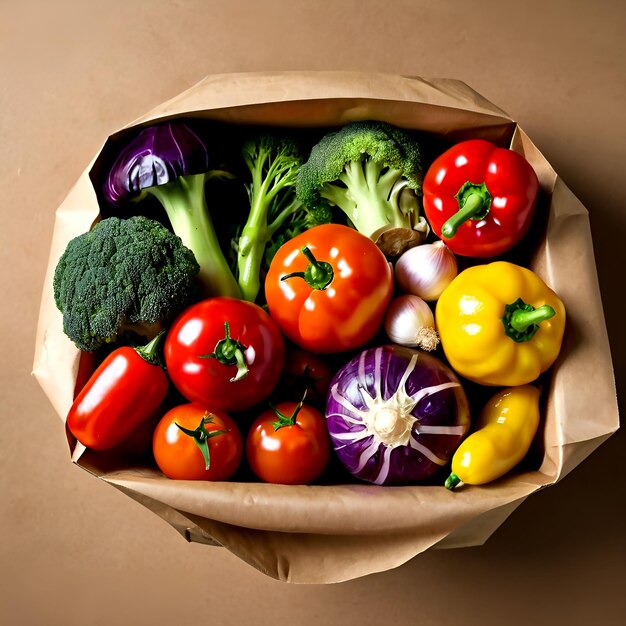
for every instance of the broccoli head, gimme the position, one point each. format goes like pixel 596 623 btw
pixel 372 171
pixel 125 277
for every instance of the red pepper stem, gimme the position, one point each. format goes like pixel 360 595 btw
pixel 318 274
pixel 474 205
pixel 521 320
pixel 150 352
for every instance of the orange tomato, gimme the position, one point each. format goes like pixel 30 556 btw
pixel 192 442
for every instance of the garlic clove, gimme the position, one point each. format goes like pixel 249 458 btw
pixel 410 322
pixel 426 270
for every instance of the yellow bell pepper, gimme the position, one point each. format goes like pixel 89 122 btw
pixel 505 430
pixel 500 324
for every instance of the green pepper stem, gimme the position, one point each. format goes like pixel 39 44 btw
pixel 473 206
pixel 310 257
pixel 318 274
pixel 521 320
pixel 150 352
pixel 453 481
pixel 293 275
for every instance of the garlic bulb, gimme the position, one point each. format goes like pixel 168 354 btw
pixel 426 270
pixel 410 322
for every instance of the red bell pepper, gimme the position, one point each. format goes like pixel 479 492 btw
pixel 123 393
pixel 480 199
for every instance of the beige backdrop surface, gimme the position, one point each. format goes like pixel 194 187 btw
pixel 73 550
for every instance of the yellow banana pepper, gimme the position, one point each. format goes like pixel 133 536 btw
pixel 500 324
pixel 505 430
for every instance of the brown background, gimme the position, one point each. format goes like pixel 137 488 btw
pixel 75 551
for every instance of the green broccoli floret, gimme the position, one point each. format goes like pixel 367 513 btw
pixel 124 277
pixel 372 171
pixel 275 213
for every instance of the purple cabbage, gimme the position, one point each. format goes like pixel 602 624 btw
pixel 156 156
pixel 396 415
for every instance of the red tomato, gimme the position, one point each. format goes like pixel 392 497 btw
pixel 328 288
pixel 288 444
pixel 308 373
pixel 211 449
pixel 225 353
pixel 123 393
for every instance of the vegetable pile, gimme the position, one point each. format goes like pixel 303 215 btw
pixel 311 307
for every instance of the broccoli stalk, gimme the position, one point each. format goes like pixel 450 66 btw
pixel 372 172
pixel 185 203
pixel 274 163
pixel 371 196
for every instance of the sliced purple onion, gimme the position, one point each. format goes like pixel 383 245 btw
pixel 396 415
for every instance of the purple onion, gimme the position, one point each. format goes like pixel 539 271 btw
pixel 396 415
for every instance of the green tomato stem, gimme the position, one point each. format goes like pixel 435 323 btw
pixel 286 420
pixel 201 437
pixel 229 351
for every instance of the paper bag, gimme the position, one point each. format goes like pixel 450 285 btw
pixel 322 533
